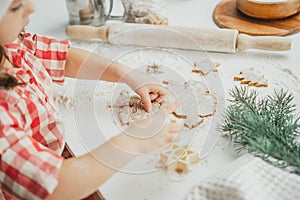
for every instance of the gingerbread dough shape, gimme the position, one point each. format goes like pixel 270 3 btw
pixel 196 102
pixel 251 77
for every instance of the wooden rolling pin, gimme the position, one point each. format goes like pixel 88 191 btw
pixel 207 39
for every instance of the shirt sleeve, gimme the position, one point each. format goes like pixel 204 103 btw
pixel 51 52
pixel 28 170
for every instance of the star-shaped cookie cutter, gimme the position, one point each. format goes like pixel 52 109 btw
pixel 179 158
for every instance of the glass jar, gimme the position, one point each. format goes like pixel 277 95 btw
pixel 145 11
pixel 88 12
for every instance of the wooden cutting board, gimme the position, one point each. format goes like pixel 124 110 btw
pixel 226 15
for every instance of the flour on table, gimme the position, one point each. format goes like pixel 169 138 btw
pixel 65 100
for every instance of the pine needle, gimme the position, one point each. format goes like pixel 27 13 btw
pixel 266 127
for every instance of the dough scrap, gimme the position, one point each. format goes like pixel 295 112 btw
pixel 154 69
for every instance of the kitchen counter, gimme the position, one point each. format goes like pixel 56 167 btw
pixel 280 68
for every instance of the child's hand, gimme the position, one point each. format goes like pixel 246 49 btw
pixel 151 93
pixel 149 135
pixel 146 86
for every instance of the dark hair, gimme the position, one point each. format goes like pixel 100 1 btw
pixel 7 81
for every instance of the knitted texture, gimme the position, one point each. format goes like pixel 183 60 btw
pixel 248 178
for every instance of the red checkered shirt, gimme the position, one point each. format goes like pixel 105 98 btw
pixel 31 129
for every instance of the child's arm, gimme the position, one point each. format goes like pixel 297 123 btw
pixel 86 65
pixel 81 176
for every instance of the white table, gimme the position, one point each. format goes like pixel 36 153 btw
pixel 184 13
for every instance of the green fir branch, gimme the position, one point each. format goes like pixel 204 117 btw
pixel 266 127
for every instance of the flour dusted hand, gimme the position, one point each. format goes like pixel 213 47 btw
pixel 146 86
pixel 150 134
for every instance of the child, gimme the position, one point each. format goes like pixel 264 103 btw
pixel 31 130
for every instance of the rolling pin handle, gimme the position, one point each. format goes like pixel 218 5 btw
pixel 87 32
pixel 271 43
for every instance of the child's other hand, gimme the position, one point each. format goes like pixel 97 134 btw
pixel 151 93
pixel 151 134
pixel 146 86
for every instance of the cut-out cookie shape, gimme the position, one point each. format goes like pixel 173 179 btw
pixel 193 121
pixel 130 107
pixel 251 77
pixel 179 158
pixel 196 102
pixel 205 67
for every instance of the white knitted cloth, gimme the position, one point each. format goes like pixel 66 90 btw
pixel 249 178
